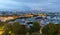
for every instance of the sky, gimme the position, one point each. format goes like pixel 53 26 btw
pixel 26 5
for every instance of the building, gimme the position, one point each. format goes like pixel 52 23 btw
pixel 28 15
pixel 6 18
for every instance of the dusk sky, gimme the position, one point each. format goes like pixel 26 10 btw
pixel 44 5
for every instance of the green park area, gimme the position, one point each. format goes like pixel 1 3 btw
pixel 35 29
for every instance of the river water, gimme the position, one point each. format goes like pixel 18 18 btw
pixel 44 21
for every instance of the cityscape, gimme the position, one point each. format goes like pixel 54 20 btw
pixel 42 17
pixel 4 16
pixel 29 17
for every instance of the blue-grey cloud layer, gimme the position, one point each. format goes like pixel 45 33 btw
pixel 48 5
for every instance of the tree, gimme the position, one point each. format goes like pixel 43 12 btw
pixel 6 32
pixel 34 28
pixel 49 29
pixel 35 33
pixel 1 24
pixel 6 28
pixel 19 29
pixel 58 29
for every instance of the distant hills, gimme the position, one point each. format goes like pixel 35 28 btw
pixel 24 12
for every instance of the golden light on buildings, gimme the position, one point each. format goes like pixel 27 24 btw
pixel 42 14
pixel 28 15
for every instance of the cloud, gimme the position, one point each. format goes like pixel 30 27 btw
pixel 9 4
pixel 50 5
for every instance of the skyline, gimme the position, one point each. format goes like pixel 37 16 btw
pixel 26 5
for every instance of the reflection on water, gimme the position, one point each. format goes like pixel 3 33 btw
pixel 43 21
